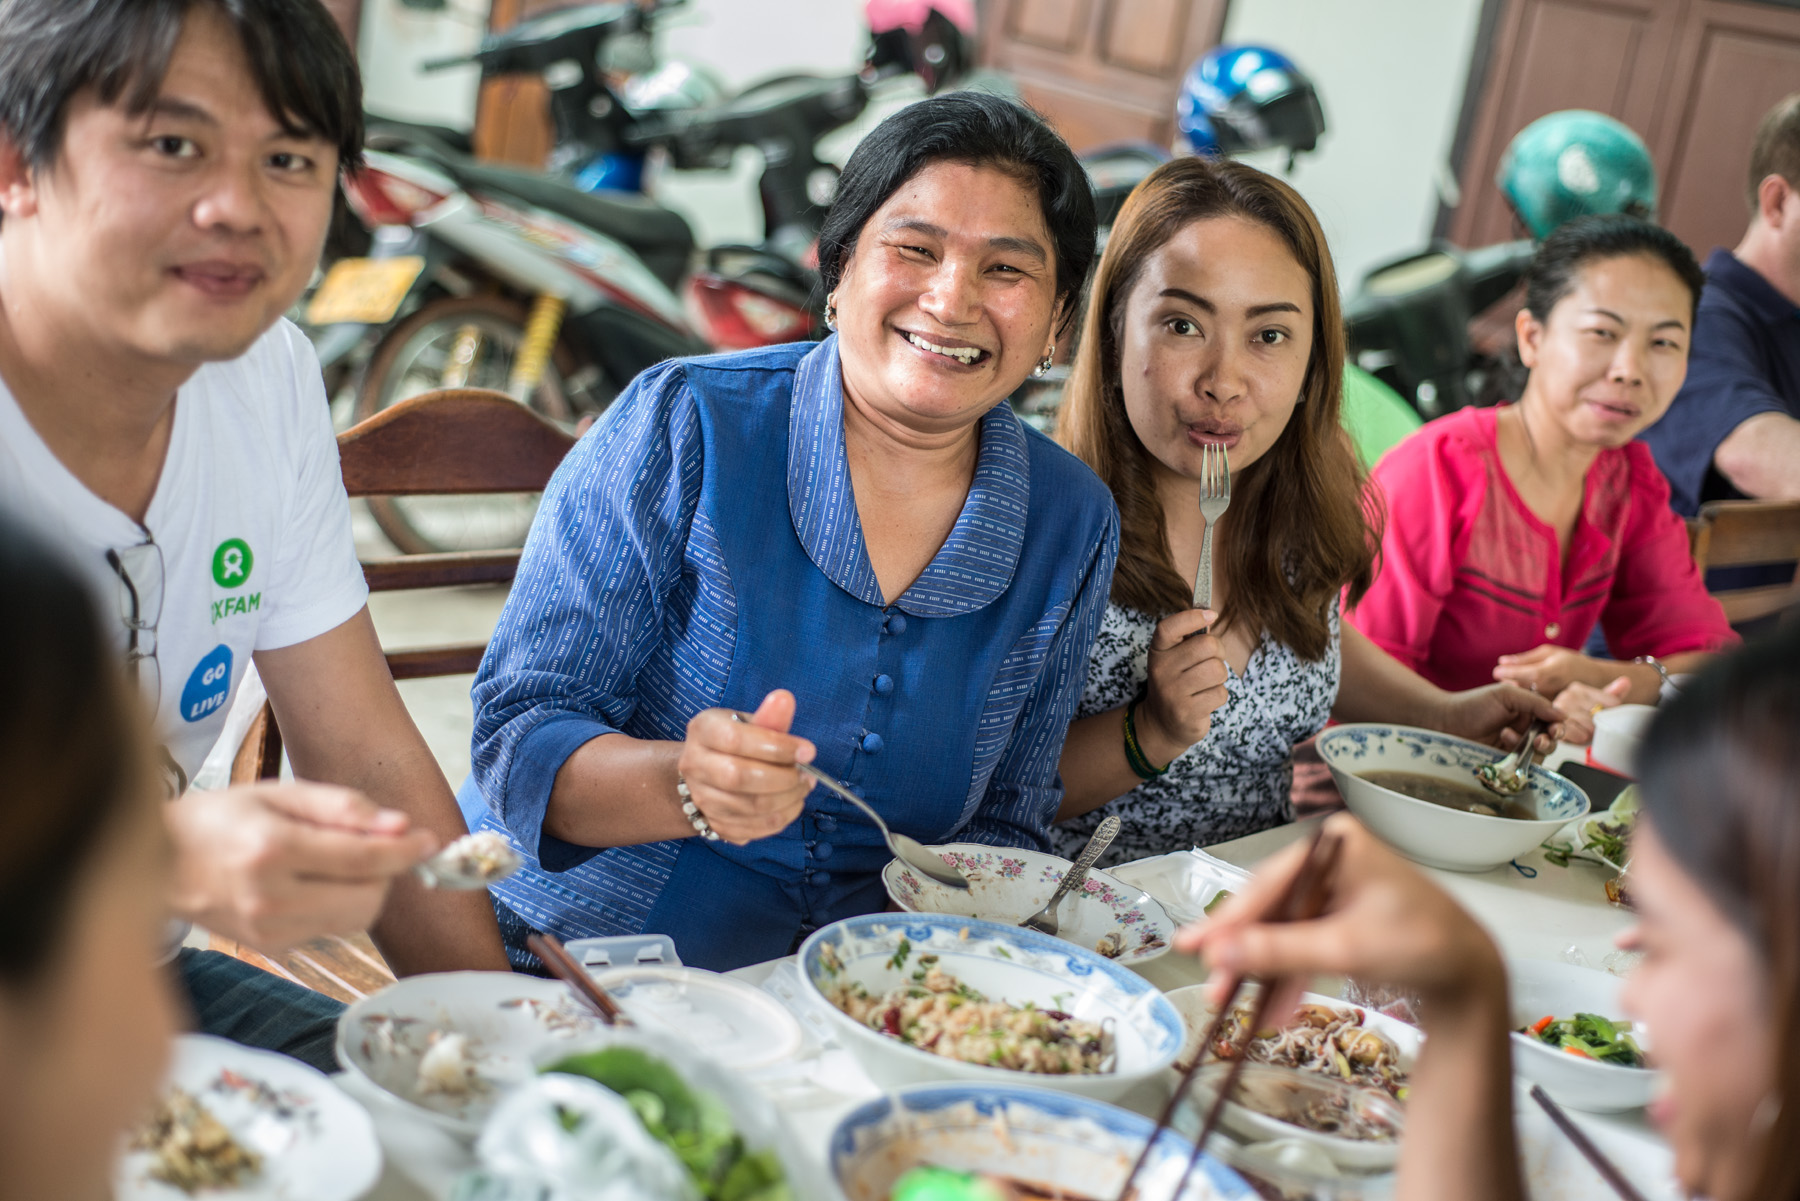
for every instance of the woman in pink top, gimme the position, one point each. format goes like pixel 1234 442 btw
pixel 1512 532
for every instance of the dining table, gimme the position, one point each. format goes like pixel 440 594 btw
pixel 1533 909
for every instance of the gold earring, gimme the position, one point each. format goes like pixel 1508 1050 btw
pixel 831 310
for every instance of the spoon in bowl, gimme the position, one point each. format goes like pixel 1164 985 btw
pixel 907 850
pixel 1508 775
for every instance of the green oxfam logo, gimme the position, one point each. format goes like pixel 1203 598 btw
pixel 232 562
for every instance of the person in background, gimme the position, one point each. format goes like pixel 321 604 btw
pixel 86 1014
pixel 1715 882
pixel 1733 430
pixel 167 169
pixel 1214 321
pixel 1513 531
pixel 857 540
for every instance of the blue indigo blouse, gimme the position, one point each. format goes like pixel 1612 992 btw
pixel 700 547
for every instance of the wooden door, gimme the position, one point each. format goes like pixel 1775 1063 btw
pixel 1733 62
pixel 349 18
pixel 1692 77
pixel 512 112
pixel 1101 70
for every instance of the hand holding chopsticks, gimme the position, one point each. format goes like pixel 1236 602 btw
pixel 1304 898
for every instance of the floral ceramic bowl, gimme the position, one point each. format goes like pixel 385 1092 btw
pixel 1007 885
pixel 1432 834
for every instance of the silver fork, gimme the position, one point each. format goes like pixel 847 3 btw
pixel 1215 496
pixel 1045 918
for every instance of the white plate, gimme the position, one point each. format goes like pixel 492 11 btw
pixel 1008 885
pixel 315 1142
pixel 731 1023
pixel 509 1021
pixel 1004 963
pixel 1197 1015
pixel 1183 882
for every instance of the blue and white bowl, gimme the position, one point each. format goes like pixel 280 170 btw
pixel 1435 835
pixel 1003 963
pixel 1082 1146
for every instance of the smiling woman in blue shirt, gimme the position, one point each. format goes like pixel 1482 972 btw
pixel 855 542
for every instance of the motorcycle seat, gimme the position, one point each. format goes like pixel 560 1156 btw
pixel 663 239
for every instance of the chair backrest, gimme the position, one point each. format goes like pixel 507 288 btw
pixel 1749 533
pixel 451 442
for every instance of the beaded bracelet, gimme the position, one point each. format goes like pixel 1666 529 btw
pixel 692 812
pixel 1134 753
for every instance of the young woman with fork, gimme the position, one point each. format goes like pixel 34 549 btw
pixel 1213 338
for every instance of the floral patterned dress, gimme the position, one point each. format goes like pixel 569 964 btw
pixel 1233 782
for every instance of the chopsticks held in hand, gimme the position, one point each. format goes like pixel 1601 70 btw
pixel 1304 900
pixel 562 965
pixel 1608 1171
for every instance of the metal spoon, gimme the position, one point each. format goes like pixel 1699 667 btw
pixel 472 861
pixel 1044 920
pixel 909 851
pixel 1508 775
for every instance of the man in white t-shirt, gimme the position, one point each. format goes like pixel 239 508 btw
pixel 167 170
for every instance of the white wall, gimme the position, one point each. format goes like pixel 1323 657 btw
pixel 1391 76
pixel 395 39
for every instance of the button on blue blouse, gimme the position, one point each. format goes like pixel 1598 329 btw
pixel 701 547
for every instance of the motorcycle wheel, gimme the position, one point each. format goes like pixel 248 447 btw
pixel 412 358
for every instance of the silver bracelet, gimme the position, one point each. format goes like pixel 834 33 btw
pixel 1668 685
pixel 692 812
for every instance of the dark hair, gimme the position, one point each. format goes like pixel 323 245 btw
pixel 1776 150
pixel 1302 525
pixel 50 50
pixel 1585 240
pixel 1720 782
pixel 983 131
pixel 70 745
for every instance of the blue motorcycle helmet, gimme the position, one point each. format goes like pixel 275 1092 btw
pixel 1246 97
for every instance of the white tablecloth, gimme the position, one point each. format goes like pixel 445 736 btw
pixel 1530 918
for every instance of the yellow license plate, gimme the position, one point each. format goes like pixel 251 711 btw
pixel 367 291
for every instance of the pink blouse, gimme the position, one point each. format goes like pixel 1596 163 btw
pixel 1468 573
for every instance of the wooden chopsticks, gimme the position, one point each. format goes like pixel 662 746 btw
pixel 1304 899
pixel 1608 1171
pixel 563 966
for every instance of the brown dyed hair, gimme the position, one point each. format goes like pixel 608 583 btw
pixel 1776 150
pixel 1302 522
pixel 1720 781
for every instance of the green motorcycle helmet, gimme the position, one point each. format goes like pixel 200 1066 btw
pixel 1576 163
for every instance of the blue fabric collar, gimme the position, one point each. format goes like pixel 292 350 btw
pixel 976 563
pixel 1725 270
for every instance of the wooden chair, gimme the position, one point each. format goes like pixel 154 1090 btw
pixel 1749 533
pixel 465 441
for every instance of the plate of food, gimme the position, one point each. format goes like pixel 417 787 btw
pixel 1354 1047
pixel 234 1122
pixel 1602 837
pixel 1008 885
pixel 925 996
pixel 1041 1144
pixel 446 1046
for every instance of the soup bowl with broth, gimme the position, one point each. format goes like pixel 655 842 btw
pixel 1417 790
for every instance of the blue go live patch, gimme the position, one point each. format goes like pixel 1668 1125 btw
pixel 208 687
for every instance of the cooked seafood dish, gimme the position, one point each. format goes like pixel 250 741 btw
pixel 1323 1039
pixel 483 856
pixel 191 1149
pixel 447 1068
pixel 936 1012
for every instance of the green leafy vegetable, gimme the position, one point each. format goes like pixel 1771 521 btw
pixel 899 959
pixel 694 1125
pixel 1588 1036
